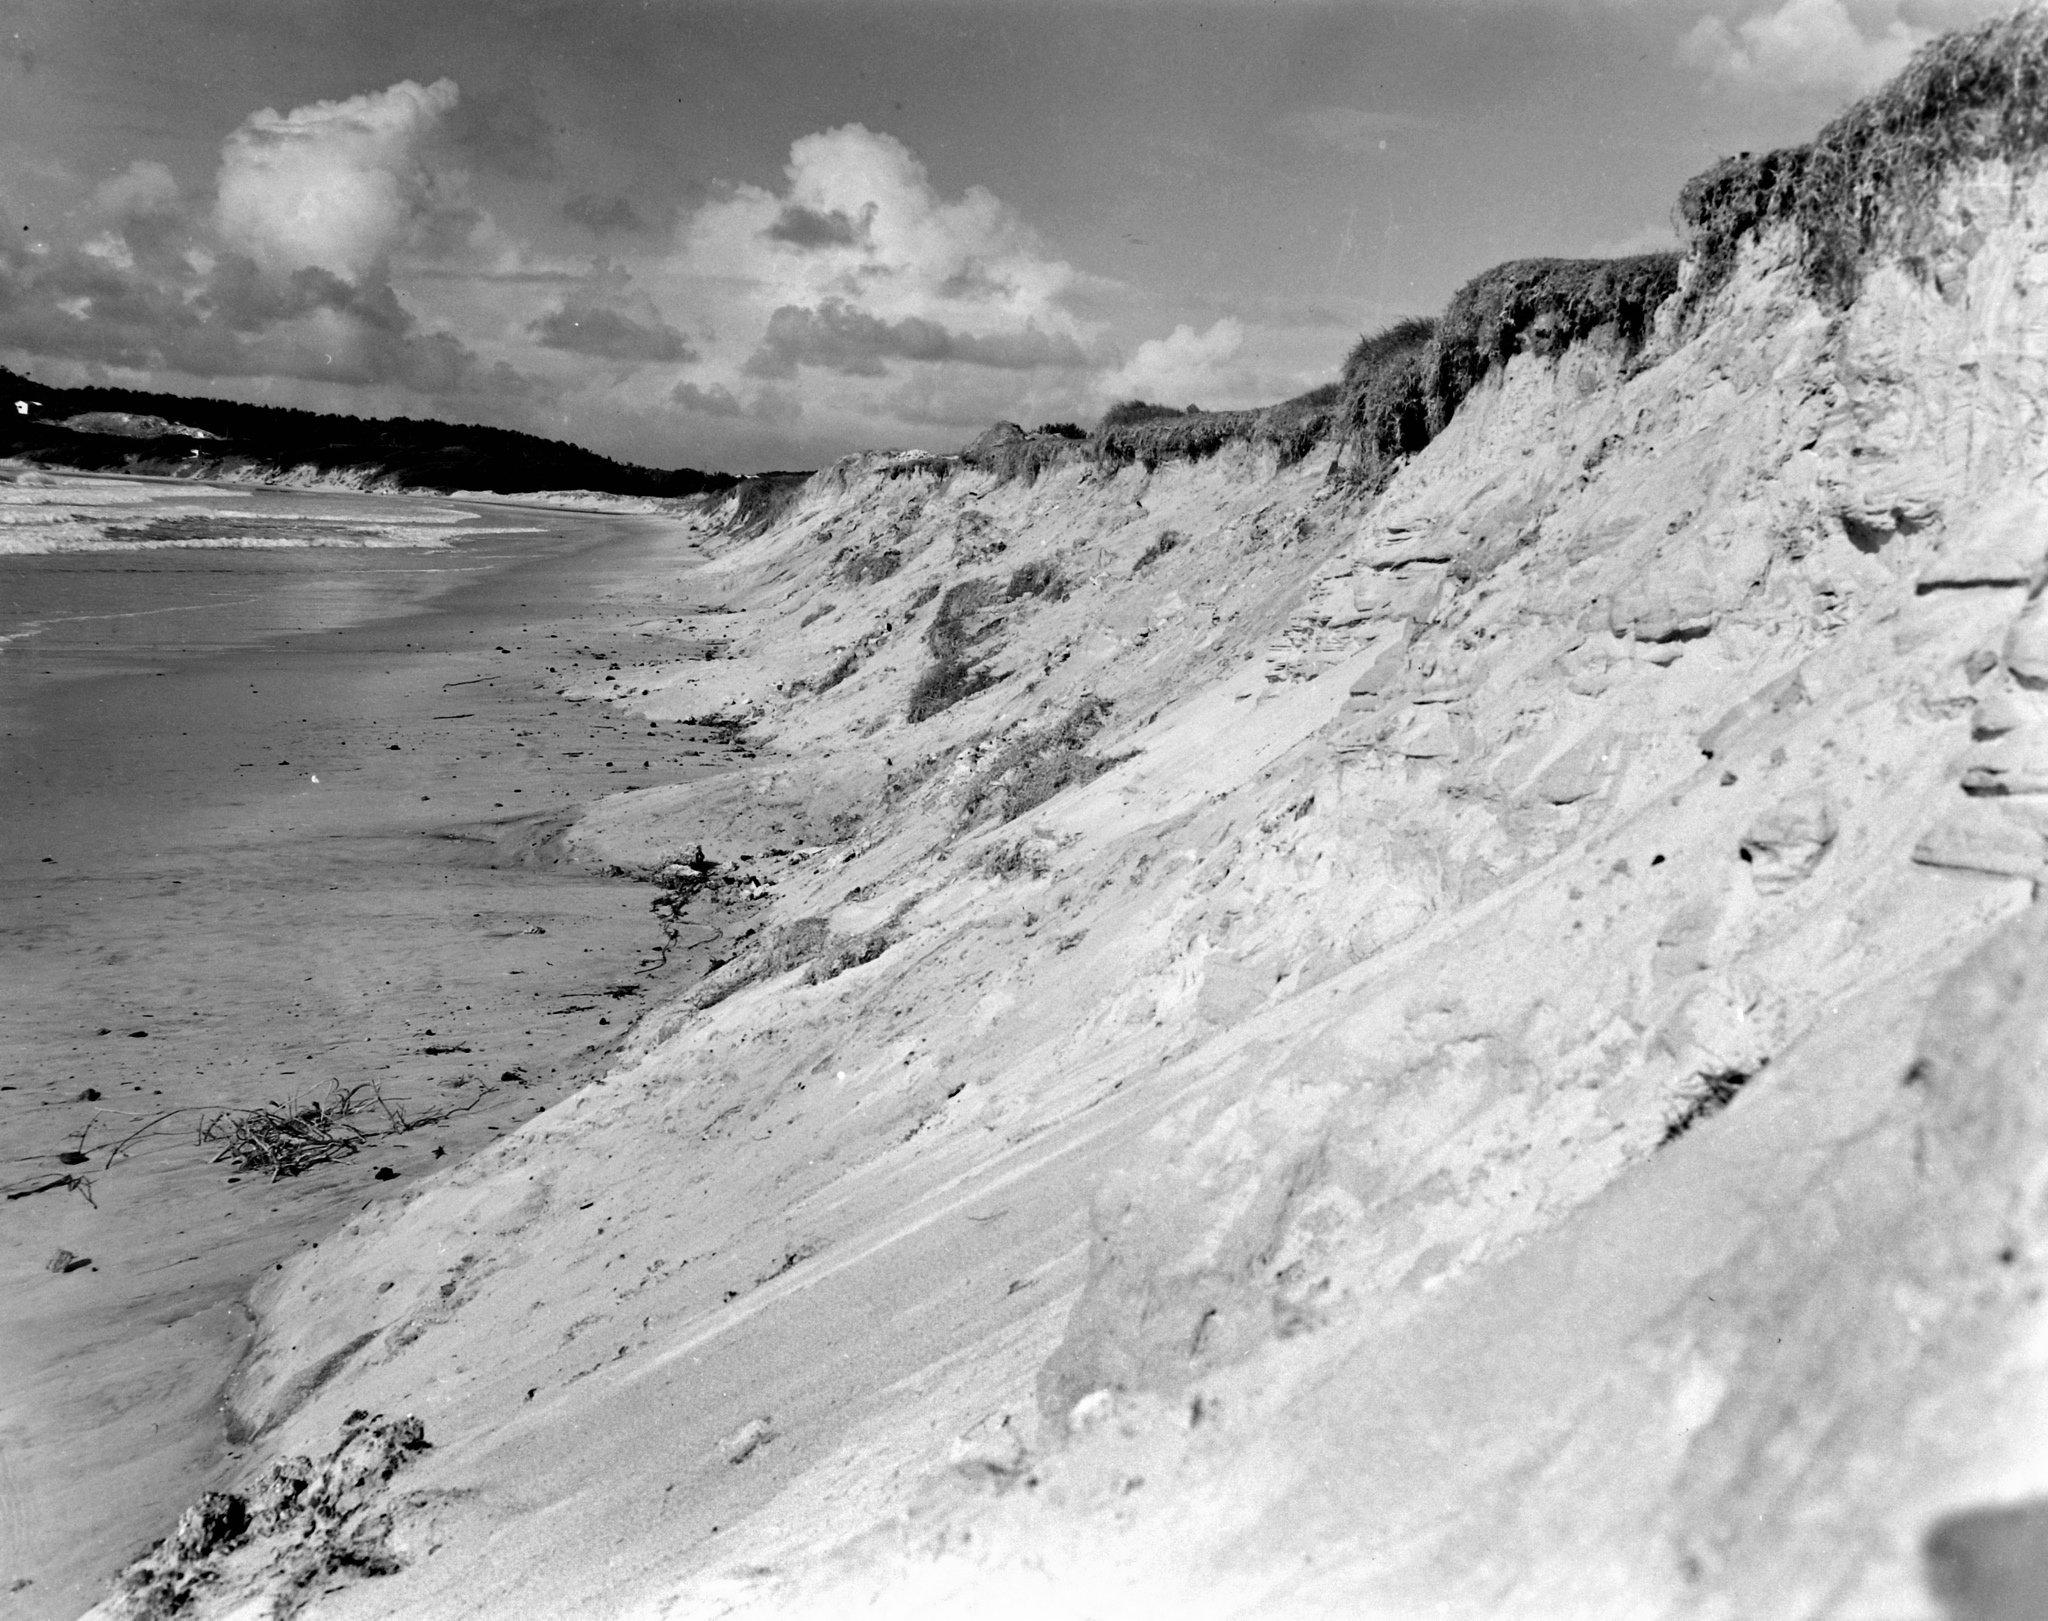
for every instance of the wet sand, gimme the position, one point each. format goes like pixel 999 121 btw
pixel 189 918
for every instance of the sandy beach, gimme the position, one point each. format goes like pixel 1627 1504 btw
pixel 313 845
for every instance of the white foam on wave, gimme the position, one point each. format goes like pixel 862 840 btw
pixel 23 539
pixel 42 513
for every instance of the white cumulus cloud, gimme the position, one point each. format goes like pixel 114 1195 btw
pixel 337 185
pixel 143 190
pixel 1823 46
pixel 1185 367
pixel 860 248
pixel 882 306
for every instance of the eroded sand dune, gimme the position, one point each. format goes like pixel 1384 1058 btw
pixel 1502 1081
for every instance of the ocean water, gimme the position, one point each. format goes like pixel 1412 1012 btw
pixel 121 609
pixel 95 573
pixel 44 512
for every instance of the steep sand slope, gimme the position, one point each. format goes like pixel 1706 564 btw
pixel 1516 1098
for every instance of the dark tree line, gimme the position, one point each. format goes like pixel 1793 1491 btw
pixel 418 454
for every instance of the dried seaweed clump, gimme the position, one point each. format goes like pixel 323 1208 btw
pixel 1868 183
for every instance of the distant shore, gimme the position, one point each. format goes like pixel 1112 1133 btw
pixel 323 860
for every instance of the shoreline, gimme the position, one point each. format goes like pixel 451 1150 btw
pixel 278 941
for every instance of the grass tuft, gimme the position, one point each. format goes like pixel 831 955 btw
pixel 942 684
pixel 951 677
pixel 839 672
pixel 870 567
pixel 1040 579
pixel 1168 539
pixel 1029 770
pixel 950 633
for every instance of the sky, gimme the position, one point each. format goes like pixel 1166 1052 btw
pixel 760 235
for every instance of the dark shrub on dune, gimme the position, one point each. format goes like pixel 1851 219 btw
pixel 1383 408
pixel 1296 426
pixel 942 685
pixel 1035 765
pixel 869 567
pixel 1129 413
pixel 1014 455
pixel 759 500
pixel 1541 305
pixel 1040 579
pixel 1170 435
pixel 951 636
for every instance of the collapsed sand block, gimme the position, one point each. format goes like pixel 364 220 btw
pixel 2016 763
pixel 2026 650
pixel 1998 713
pixel 1380 675
pixel 2006 546
pixel 1578 773
pixel 1786 844
pixel 1983 838
pixel 1785 695
pixel 1665 610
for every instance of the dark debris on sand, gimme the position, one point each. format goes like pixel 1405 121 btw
pixel 303 1526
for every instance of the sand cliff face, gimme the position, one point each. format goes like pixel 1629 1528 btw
pixel 1471 1052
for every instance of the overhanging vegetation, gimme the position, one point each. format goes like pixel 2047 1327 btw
pixel 1866 185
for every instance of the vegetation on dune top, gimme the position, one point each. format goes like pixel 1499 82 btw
pixel 761 499
pixel 1544 306
pixel 1401 385
pixel 1016 456
pixel 1383 402
pixel 1867 183
pixel 1129 413
pixel 1139 431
